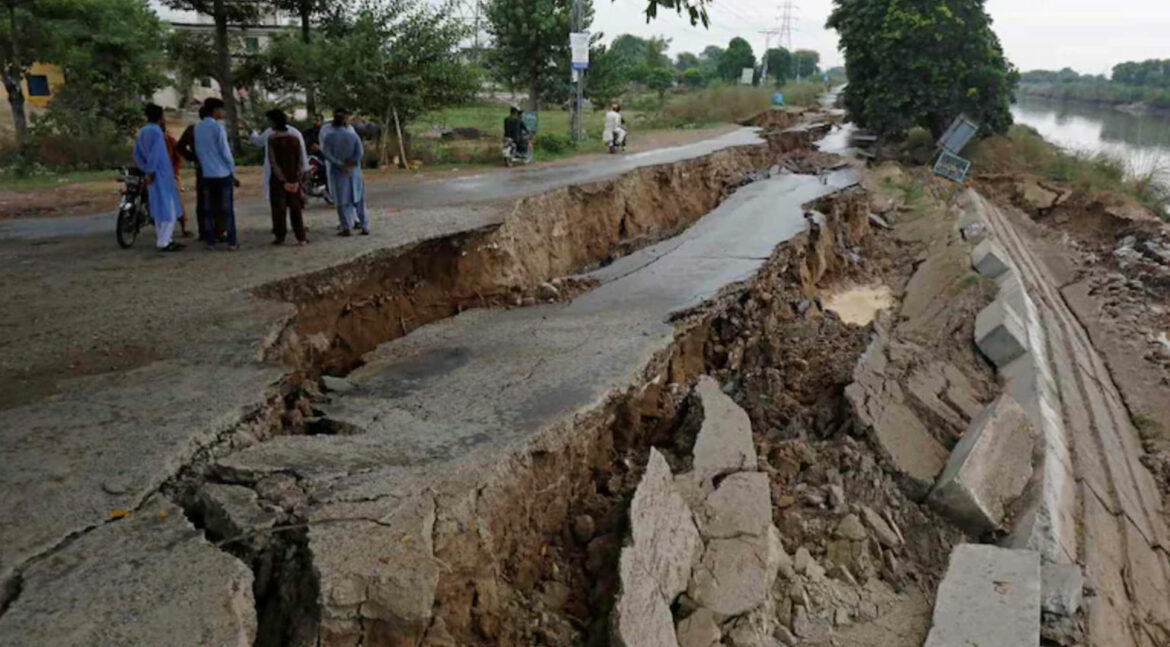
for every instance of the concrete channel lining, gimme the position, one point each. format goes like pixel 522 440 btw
pixel 1047 522
pixel 990 597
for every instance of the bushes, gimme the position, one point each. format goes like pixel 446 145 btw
pixel 718 104
pixel 802 93
pixel 552 143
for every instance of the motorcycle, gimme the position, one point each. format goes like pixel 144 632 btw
pixel 618 143
pixel 133 208
pixel 317 185
pixel 512 156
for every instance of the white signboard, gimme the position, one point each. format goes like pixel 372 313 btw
pixel 748 75
pixel 579 42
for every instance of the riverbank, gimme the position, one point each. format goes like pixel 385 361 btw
pixel 1127 98
pixel 1023 153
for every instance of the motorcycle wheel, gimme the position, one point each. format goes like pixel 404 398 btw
pixel 128 225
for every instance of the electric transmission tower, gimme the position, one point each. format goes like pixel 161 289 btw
pixel 787 22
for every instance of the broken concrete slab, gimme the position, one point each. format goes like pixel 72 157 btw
pixel 741 505
pixel 990 260
pixel 232 510
pixel 990 597
pixel 879 403
pixel 148 579
pixel 1062 589
pixel 107 442
pixel 641 616
pixel 1000 334
pixel 699 630
pixel 666 543
pixel 988 469
pixel 724 443
pixel 736 575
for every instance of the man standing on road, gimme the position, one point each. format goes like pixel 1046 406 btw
pixel 218 168
pixel 287 154
pixel 261 141
pixel 150 154
pixel 322 135
pixel 343 148
pixel 186 148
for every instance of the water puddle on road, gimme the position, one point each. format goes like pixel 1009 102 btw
pixel 859 305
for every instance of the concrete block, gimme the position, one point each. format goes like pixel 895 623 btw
pixel 699 630
pixel 724 443
pixel 1061 588
pixel 666 542
pixel 988 469
pixel 1000 334
pixel 990 260
pixel 736 575
pixel 990 597
pixel 742 505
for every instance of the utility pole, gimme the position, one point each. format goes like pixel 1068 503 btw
pixel 577 21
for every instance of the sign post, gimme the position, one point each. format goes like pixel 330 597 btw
pixel 579 44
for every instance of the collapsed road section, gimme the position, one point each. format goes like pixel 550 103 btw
pixel 98 454
pixel 674 408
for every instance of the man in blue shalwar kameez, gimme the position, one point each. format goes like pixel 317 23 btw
pixel 151 157
pixel 343 148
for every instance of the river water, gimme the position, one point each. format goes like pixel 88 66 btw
pixel 1141 141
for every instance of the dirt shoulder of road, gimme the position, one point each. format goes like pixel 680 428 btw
pixel 87 197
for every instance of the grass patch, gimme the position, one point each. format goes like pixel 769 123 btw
pixel 1024 151
pixel 37 181
pixel 717 104
pixel 802 93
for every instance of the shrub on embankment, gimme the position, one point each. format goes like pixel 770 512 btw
pixel 1024 151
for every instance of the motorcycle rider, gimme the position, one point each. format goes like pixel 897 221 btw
pixel 615 131
pixel 515 130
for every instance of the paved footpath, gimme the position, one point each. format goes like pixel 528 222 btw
pixel 87 545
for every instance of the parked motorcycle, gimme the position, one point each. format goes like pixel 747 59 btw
pixel 513 156
pixel 133 208
pixel 317 185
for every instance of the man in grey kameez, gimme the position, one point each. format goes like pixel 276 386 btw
pixel 343 148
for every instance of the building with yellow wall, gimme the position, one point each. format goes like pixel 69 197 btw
pixel 42 80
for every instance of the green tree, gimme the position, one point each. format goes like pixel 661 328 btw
pixel 807 63
pixel 223 13
pixel 660 79
pixel 629 50
pixel 532 44
pixel 607 78
pixel 306 11
pixel 709 61
pixel 110 53
pixel 685 61
pixel 738 56
pixel 396 57
pixel 922 64
pixel 695 10
pixel 693 78
pixel 779 62
pixel 190 55
pixel 27 35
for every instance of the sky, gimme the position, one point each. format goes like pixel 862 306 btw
pixel 1089 36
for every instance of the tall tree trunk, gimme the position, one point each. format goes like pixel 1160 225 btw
pixel 534 93
pixel 385 149
pixel 16 102
pixel 12 83
pixel 310 95
pixel 223 62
